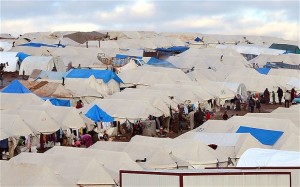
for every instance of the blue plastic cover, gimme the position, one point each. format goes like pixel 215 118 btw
pixel 160 63
pixel 197 39
pixel 264 71
pixel 266 137
pixel 22 56
pixel 125 56
pixel 105 75
pixel 58 102
pixel 178 49
pixel 31 44
pixel 98 115
pixel 16 87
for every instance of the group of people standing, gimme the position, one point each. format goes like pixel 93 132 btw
pixel 288 96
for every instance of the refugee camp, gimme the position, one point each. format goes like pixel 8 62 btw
pixel 112 106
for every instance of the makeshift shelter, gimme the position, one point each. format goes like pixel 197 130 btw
pixel 288 48
pixel 256 157
pixel 106 78
pixel 41 62
pixel 160 63
pixel 82 37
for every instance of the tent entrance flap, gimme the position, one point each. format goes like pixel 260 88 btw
pixel 266 137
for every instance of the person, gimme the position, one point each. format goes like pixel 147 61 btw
pixel 86 140
pixel 280 94
pixel 79 66
pixel 191 117
pixel 293 94
pixel 225 115
pixel 105 136
pixel 273 97
pixel 79 104
pixel 258 104
pixel 251 104
pixel 267 96
pixel 207 115
pixel 287 98
pixel 198 118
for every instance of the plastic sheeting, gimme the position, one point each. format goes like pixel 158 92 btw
pixel 256 157
pixel 105 75
pixel 22 56
pixel 264 71
pixel 266 137
pixel 160 63
pixel 98 115
pixel 58 102
pixel 15 87
pixel 40 45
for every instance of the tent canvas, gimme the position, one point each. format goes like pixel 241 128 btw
pixel 105 75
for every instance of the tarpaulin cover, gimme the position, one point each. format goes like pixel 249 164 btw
pixel 41 45
pixel 178 49
pixel 58 102
pixel 266 137
pixel 125 56
pixel 15 87
pixel 22 56
pixel 105 75
pixel 98 115
pixel 264 71
pixel 161 63
pixel 197 39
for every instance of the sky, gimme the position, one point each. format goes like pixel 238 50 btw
pixel 252 17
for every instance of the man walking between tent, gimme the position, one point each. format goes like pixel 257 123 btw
pixel 287 98
pixel 280 94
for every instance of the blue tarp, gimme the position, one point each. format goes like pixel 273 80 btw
pixel 98 115
pixel 178 49
pixel 31 44
pixel 160 63
pixel 198 39
pixel 22 56
pixel 266 137
pixel 125 56
pixel 105 75
pixel 15 87
pixel 264 71
pixel 58 102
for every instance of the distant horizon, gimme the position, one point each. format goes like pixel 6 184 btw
pixel 269 18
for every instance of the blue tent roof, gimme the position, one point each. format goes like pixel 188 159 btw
pixel 198 39
pixel 266 137
pixel 31 44
pixel 178 49
pixel 97 115
pixel 22 56
pixel 58 102
pixel 160 63
pixel 264 71
pixel 15 87
pixel 105 75
pixel 125 56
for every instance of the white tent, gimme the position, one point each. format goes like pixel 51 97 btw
pixel 67 117
pixel 13 125
pixel 120 110
pixel 13 101
pixel 111 160
pixel 265 157
pixel 21 174
pixel 41 62
pixel 252 49
pixel 12 60
pixel 78 170
pixel 5 46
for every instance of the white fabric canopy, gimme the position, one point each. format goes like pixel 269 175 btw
pixel 265 157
